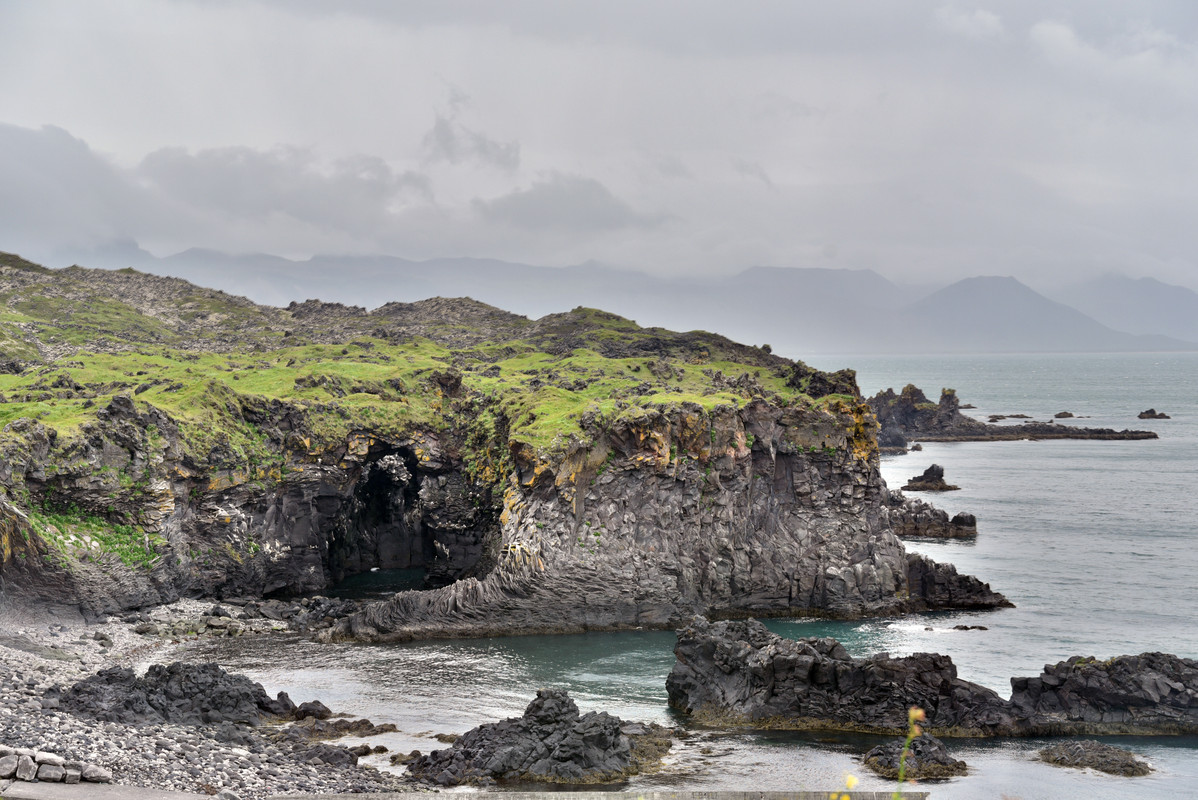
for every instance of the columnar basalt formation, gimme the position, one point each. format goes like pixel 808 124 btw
pixel 754 511
pixel 739 673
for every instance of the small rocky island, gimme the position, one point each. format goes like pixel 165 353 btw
pixel 909 415
pixel 932 480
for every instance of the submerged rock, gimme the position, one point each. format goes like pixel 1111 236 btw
pixel 741 673
pixel 1095 755
pixel 551 743
pixel 927 759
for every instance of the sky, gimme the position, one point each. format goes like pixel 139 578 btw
pixel 1051 140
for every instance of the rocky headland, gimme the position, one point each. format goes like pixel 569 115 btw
pixel 571 473
pixel 740 673
pixel 909 415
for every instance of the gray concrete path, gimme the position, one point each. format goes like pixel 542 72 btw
pixel 20 790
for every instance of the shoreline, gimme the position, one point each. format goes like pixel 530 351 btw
pixel 41 650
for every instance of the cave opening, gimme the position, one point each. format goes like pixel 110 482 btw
pixel 405 527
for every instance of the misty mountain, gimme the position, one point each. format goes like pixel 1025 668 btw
pixel 995 314
pixel 1143 305
pixel 798 311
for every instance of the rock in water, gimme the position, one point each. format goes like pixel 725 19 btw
pixel 1095 755
pixel 927 759
pixel 932 480
pixel 740 673
pixel 551 743
pixel 1152 413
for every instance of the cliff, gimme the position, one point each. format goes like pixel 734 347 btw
pixel 566 473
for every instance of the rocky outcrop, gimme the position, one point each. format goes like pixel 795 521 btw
pixel 909 415
pixel 550 743
pixel 1090 754
pixel 761 510
pixel 740 673
pixel 189 694
pixel 926 759
pixel 1152 413
pixel 932 480
pixel 910 517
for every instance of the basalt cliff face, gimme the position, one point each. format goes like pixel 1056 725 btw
pixel 753 511
pixel 570 473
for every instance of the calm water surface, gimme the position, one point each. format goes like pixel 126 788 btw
pixel 1095 542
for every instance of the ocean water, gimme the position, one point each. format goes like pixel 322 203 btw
pixel 1095 542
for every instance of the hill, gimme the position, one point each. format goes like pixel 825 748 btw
pixel 1142 306
pixel 570 472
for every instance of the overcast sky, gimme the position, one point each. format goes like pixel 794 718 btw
pixel 927 140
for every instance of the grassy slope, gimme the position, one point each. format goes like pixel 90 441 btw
pixel 199 355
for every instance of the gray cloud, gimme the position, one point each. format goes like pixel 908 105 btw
pixel 567 203
pixel 450 141
pixel 353 193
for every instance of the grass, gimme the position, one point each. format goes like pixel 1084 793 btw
pixel 76 533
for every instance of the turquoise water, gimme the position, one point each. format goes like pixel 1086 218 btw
pixel 1095 542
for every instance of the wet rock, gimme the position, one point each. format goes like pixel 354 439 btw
pixel 912 517
pixel 190 694
pixel 741 673
pixel 550 743
pixel 927 759
pixel 932 480
pixel 1095 755
pixel 1063 415
pixel 1152 413
pixel 314 709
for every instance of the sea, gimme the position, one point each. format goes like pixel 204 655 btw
pixel 1096 543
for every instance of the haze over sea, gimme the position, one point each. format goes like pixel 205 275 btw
pixel 1094 541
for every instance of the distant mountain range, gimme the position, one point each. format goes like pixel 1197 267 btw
pixel 799 312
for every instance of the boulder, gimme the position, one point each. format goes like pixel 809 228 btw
pixel 932 480
pixel 550 743
pixel 1152 413
pixel 190 694
pixel 927 759
pixel 1095 755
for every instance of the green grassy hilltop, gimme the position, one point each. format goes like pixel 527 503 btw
pixel 224 372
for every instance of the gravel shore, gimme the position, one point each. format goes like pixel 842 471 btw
pixel 41 648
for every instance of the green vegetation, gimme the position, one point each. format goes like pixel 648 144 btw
pixel 76 533
pixel 224 372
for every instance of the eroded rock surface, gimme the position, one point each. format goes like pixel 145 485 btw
pixel 741 673
pixel 550 743
pixel 932 480
pixel 927 759
pixel 1095 755
pixel 913 517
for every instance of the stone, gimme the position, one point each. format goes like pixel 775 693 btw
pixel 1095 755
pixel 932 480
pixel 49 758
pixel 550 743
pixel 927 759
pixel 93 773
pixel 1152 413
pixel 8 765
pixel 72 775
pixel 26 768
pixel 313 708
pixel 51 773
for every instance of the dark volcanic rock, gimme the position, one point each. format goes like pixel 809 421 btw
pixel 1146 693
pixel 1152 413
pixel 551 743
pixel 932 480
pixel 190 694
pixel 1095 755
pixel 927 759
pixel 913 517
pixel 910 415
pixel 741 673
